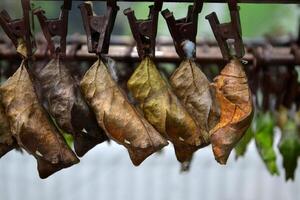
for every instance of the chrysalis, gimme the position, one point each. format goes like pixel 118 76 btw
pixel 192 87
pixel 264 138
pixel 30 125
pixel 61 97
pixel 234 97
pixel 7 142
pixel 289 145
pixel 120 120
pixel 164 111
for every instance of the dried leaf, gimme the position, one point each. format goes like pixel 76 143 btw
pixel 61 97
pixel 7 142
pixel 264 137
pixel 193 90
pixel 120 120
pixel 164 111
pixel 289 145
pixel 31 127
pixel 234 97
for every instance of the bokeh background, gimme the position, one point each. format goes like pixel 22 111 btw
pixel 106 172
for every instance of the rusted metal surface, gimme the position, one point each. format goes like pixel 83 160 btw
pixel 124 49
pixel 207 1
pixel 144 31
pixel 184 30
pixel 55 27
pixel 228 31
pixel 18 28
pixel 98 28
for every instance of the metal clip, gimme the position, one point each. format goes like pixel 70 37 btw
pixel 184 29
pixel 144 31
pixel 19 28
pixel 55 27
pixel 228 31
pixel 98 28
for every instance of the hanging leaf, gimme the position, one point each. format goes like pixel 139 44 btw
pixel 7 142
pixel 289 145
pixel 264 137
pixel 120 120
pixel 289 148
pixel 31 127
pixel 164 111
pixel 193 89
pixel 61 97
pixel 242 145
pixel 234 97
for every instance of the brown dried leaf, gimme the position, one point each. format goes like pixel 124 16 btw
pixel 120 120
pixel 7 142
pixel 61 97
pixel 193 89
pixel 164 111
pixel 234 97
pixel 31 127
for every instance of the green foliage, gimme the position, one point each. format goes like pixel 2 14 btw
pixel 264 137
pixel 289 148
pixel 276 20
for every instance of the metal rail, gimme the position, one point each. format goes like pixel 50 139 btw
pixel 206 1
pixel 123 49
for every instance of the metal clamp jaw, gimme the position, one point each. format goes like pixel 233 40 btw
pixel 55 27
pixel 98 28
pixel 144 31
pixel 19 28
pixel 231 30
pixel 184 29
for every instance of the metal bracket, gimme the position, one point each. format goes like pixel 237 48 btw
pixel 55 27
pixel 184 29
pixel 98 28
pixel 228 31
pixel 19 28
pixel 144 31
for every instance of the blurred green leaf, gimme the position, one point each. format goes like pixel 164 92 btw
pixel 264 137
pixel 261 19
pixel 289 148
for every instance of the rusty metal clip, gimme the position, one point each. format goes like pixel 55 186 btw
pixel 184 29
pixel 98 28
pixel 55 27
pixel 19 28
pixel 228 31
pixel 144 31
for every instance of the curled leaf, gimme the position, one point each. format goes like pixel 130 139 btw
pixel 193 89
pixel 7 142
pixel 164 111
pixel 264 137
pixel 30 125
pixel 61 97
pixel 289 145
pixel 234 97
pixel 120 120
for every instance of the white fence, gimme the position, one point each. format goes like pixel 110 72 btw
pixel 107 174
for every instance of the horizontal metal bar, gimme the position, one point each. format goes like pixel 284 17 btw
pixel 206 1
pixel 123 49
